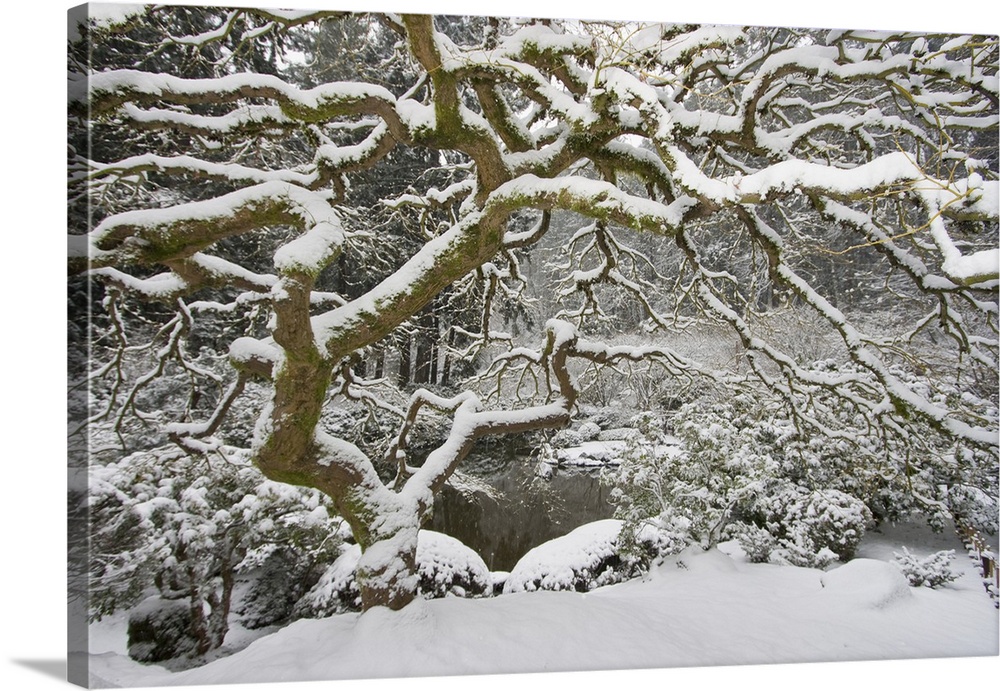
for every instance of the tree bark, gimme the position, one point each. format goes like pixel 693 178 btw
pixel 387 571
pixel 405 361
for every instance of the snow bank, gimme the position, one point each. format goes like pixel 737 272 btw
pixel 866 583
pixel 584 559
pixel 700 608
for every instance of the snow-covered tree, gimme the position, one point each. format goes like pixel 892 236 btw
pixel 713 173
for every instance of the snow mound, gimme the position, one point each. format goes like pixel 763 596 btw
pixel 867 583
pixel 697 559
pixel 586 558
pixel 448 567
pixel 445 567
pixel 590 453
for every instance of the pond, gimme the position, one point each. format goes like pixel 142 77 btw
pixel 505 508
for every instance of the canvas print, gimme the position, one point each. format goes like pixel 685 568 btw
pixel 408 345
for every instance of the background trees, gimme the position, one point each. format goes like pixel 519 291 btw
pixel 716 175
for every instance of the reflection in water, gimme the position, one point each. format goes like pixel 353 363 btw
pixel 524 511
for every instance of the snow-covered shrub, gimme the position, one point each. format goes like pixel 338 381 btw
pixel 618 434
pixel 931 572
pixel 648 423
pixel 801 527
pixel 736 475
pixel 691 492
pixel 336 590
pixel 815 528
pixel 445 567
pixel 604 417
pixel 977 508
pixel 899 476
pixel 181 525
pixel 566 438
pixel 284 575
pixel 756 542
pixel 586 558
pixel 588 431
pixel 160 629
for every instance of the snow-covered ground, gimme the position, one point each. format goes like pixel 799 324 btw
pixel 698 608
pixel 608 449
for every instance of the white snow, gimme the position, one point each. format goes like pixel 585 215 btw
pixel 157 85
pixel 556 564
pixel 441 558
pixel 866 583
pixel 246 349
pixel 312 250
pixel 697 40
pixel 698 608
pixel 974 268
pixel 107 14
pixel 230 171
pixel 158 285
pixel 592 453
pixel 214 124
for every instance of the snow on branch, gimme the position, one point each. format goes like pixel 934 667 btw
pixel 856 342
pixel 596 199
pixel 109 90
pixel 150 236
pixel 243 120
pixel 194 166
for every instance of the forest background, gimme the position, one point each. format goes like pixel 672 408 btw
pixel 33 580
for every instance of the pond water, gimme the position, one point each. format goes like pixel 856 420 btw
pixel 514 509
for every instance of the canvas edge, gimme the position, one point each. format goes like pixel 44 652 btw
pixel 77 543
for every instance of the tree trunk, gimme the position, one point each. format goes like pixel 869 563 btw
pixel 426 338
pixel 435 346
pixel 387 571
pixel 405 361
pixel 210 628
pixel 422 372
pixel 445 360
pixel 222 602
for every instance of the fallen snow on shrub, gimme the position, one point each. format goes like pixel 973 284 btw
pixel 931 572
pixel 814 528
pixel 581 560
pixel 588 431
pixel 445 567
pixel 618 434
pixel 448 567
pixel 337 589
